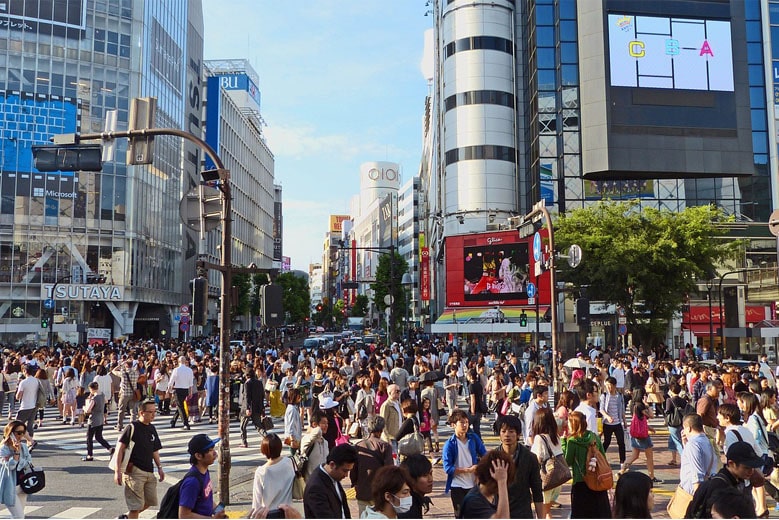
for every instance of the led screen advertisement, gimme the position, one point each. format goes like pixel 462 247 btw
pixel 670 53
pixel 489 269
pixel 57 17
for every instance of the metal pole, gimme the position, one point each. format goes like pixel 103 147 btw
pixel 225 461
pixel 391 323
pixel 711 319
pixel 553 287
pixel 538 318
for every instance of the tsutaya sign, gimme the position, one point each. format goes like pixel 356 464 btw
pixel 90 292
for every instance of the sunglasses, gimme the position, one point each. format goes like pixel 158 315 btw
pixel 20 432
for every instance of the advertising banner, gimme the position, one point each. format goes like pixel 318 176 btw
pixel 66 18
pixel 385 221
pixel 424 275
pixel 336 222
pixel 492 268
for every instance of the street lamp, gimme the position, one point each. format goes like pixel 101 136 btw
pixel 406 282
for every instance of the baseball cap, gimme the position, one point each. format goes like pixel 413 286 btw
pixel 201 443
pixel 742 453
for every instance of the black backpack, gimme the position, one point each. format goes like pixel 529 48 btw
pixel 676 417
pixel 169 507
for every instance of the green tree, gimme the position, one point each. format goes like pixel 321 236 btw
pixel 257 280
pixel 644 260
pixel 360 306
pixel 243 305
pixel 296 297
pixel 386 284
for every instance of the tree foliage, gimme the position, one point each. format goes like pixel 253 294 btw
pixel 296 297
pixel 642 259
pixel 386 284
pixel 360 306
pixel 243 305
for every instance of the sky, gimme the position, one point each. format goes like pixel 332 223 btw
pixel 341 84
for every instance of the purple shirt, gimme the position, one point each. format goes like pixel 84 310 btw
pixel 200 499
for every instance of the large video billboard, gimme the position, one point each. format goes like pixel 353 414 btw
pixel 58 17
pixel 490 269
pixel 666 52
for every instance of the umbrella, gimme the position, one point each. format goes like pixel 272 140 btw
pixel 432 376
pixel 575 363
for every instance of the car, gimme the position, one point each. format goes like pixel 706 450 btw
pixel 741 364
pixel 313 343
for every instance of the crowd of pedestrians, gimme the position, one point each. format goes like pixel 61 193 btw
pixel 372 413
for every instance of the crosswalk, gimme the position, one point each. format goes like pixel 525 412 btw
pixel 66 441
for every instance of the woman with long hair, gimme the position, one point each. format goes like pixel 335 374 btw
pixel 273 480
pixel 365 404
pixel 565 405
pixel 381 394
pixel 43 380
pixel 161 380
pixel 585 503
pixel 633 497
pixel 69 391
pixel 749 404
pixel 641 440
pixel 546 444
pixel 14 457
pixel 674 401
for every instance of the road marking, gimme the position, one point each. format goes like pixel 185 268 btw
pixel 76 512
pixel 27 511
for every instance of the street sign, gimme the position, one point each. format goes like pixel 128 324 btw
pixel 388 299
pixel 622 320
pixel 48 303
pixel 773 223
pixel 185 319
pixel 177 317
pixel 184 327
pixel 574 256
pixel 623 329
pixel 531 301
pixel 184 309
pixel 537 247
pixel 531 290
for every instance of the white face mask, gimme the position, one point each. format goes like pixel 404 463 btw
pixel 404 506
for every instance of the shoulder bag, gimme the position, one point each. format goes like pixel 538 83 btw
pixel 680 501
pixel 413 443
pixel 554 471
pixel 341 438
pixel 127 453
pixel 32 480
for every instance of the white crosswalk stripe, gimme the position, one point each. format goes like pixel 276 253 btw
pixel 76 512
pixel 28 510
pixel 173 455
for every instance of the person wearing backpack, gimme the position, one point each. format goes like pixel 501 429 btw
pixel 585 502
pixel 676 407
pixel 641 441
pixel 196 494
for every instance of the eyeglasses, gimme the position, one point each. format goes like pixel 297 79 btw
pixel 20 432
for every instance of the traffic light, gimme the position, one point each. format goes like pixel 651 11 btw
pixel 523 320
pixel 199 300
pixel 142 117
pixel 319 307
pixel 583 312
pixel 272 305
pixel 45 322
pixel 68 158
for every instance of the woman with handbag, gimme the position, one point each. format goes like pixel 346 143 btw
pixel 14 458
pixel 546 445
pixel 273 480
pixel 585 502
pixel 69 390
pixel 640 440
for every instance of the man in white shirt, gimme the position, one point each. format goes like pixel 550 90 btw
pixel 588 395
pixel 539 400
pixel 182 380
pixel 27 395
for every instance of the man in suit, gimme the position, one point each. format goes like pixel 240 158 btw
pixel 324 496
pixel 252 402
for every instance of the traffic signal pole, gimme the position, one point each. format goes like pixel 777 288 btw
pixel 225 268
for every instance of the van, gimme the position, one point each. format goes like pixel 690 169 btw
pixel 313 343
pixel 238 343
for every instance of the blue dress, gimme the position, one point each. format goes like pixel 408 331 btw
pixel 212 390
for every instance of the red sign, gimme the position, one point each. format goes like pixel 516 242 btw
pixel 493 268
pixel 424 275
pixel 700 314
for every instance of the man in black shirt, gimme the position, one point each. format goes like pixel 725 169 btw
pixel 477 405
pixel 140 491
pixel 742 461
pixel 526 485
pixel 252 402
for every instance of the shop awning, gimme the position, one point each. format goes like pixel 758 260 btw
pixel 700 329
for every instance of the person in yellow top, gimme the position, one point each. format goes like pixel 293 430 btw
pixel 585 503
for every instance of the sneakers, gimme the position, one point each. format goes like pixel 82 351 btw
pixel 656 480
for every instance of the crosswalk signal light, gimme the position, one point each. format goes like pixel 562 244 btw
pixel 68 158
pixel 45 322
pixel 319 307
pixel 523 320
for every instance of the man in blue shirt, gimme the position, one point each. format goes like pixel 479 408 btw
pixel 196 496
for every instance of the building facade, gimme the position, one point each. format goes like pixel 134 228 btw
pixel 59 73
pixel 536 100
